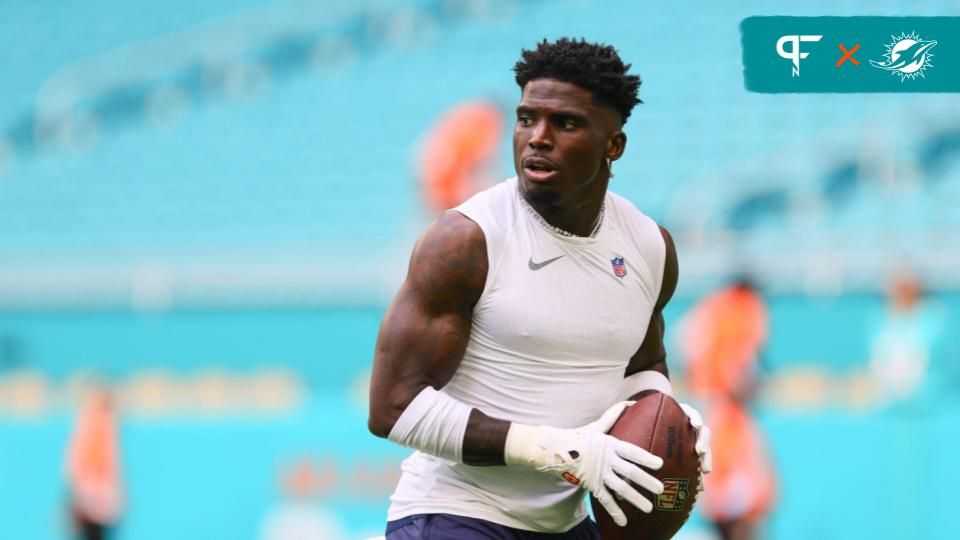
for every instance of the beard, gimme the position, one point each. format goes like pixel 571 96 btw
pixel 539 196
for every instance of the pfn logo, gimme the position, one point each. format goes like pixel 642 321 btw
pixel 794 53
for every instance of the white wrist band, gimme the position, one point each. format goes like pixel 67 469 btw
pixel 645 380
pixel 433 423
pixel 523 445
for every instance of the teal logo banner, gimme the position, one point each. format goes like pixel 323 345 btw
pixel 851 54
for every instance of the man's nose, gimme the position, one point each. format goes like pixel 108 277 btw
pixel 541 138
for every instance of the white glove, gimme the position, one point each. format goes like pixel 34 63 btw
pixel 588 457
pixel 703 441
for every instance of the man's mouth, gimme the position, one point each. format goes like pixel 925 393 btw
pixel 539 169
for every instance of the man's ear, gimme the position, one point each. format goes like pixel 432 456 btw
pixel 616 144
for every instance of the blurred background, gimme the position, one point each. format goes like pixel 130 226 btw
pixel 205 208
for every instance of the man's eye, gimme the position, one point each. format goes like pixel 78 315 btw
pixel 568 124
pixel 525 121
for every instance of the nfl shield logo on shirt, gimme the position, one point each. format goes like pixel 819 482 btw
pixel 619 269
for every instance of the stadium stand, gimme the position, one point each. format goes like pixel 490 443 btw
pixel 208 204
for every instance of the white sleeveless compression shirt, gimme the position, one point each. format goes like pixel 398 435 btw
pixel 557 322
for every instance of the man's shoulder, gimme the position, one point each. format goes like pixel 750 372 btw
pixel 649 236
pixel 475 217
pixel 448 268
pixel 652 240
pixel 623 204
pixel 496 195
pixel 453 229
pixel 630 214
pixel 493 209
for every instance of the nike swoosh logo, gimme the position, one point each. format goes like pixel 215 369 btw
pixel 536 266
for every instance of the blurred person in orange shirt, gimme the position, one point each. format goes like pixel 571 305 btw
pixel 458 155
pixel 93 469
pixel 722 339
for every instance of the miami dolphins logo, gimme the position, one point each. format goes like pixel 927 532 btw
pixel 907 56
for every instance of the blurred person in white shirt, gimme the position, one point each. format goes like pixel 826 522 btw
pixel 301 516
pixel 903 346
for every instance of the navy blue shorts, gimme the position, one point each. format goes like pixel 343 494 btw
pixel 450 527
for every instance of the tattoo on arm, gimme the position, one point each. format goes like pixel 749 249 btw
pixel 426 330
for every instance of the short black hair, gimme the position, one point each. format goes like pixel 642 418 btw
pixel 592 66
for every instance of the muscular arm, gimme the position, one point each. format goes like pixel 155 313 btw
pixel 425 331
pixel 652 355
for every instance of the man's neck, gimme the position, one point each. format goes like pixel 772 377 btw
pixel 578 215
pixel 580 220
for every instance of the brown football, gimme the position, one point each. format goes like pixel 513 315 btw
pixel 658 424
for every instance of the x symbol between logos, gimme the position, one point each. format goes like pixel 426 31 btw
pixel 848 55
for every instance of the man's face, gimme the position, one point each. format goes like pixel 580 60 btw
pixel 561 140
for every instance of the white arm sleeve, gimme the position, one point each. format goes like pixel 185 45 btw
pixel 433 423
pixel 644 380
